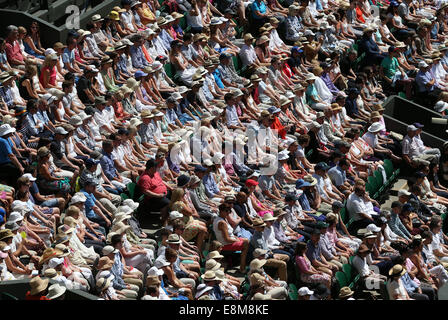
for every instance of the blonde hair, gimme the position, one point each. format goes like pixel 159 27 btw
pixel 176 197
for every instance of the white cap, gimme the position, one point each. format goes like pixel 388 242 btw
pixel 78 197
pixel 372 227
pixel 15 216
pixel 49 51
pixel 155 272
pixel 175 215
pixel 304 291
pixel 29 176
pixel 411 128
pixel 403 192
pixel 308 32
pixel 441 106
pixel 422 64
pixel 54 262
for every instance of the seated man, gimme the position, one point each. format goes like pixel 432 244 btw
pixel 154 189
pixel 360 208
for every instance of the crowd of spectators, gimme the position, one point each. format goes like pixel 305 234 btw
pixel 248 129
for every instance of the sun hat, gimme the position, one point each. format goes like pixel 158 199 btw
pixel 77 198
pixel 259 253
pixel 209 276
pixel 174 239
pixel 5 234
pixel 201 289
pixel 15 217
pixel 212 264
pixel 104 263
pixel 214 255
pixel 305 291
pixel 6 129
pixel 54 262
pixel 153 281
pixel 257 263
pixel 50 273
pixel 103 283
pixel 38 285
pixel 345 292
pixel 13 226
pixel 55 291
pixel 397 270
pixel 375 127
pixel 258 222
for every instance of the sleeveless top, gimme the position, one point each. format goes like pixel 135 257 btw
pixel 218 232
pixel 22 89
pixel 52 76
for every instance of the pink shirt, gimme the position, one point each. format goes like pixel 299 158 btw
pixel 13 52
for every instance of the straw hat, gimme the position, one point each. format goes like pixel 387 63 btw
pixel 397 270
pixel 345 292
pixel 38 285
pixel 214 255
pixel 257 264
pixel 209 276
pixel 105 263
pixel 212 264
pixel 55 291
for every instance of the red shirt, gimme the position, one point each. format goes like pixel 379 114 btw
pixel 276 125
pixel 154 184
pixel 29 297
pixel 13 51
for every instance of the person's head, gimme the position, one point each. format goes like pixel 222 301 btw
pixel 300 248
pixel 315 236
pixel 224 210
pixel 360 190
pixel 116 241
pixel 170 255
pixel 12 32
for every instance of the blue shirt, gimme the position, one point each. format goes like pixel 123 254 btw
pixel 409 284
pixel 5 93
pixel 422 79
pixel 108 166
pixel 259 6
pixel 89 204
pixel 217 76
pixel 337 175
pixel 117 270
pixel 171 116
pixel 68 56
pixel 398 227
pixel 138 58
pixel 211 188
pixel 303 200
pixel 5 150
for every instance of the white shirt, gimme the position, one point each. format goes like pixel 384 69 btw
pixel 269 235
pixel 360 264
pixel 247 55
pixel 356 205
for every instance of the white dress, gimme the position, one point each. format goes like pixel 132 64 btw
pixel 186 75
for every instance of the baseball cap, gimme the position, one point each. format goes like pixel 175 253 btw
pixel 304 291
pixel 321 166
pixel 29 176
pixel 403 192
pixel 408 207
pixel 90 162
pixel 418 125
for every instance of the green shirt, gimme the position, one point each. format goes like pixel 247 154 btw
pixel 390 66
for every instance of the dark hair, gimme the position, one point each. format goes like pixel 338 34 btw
pixel 66 85
pixel 178 225
pixel 188 36
pixel 69 76
pixel 303 139
pixel 170 253
pixel 228 96
pixel 151 163
pixel 426 234
pixel 115 239
pixel 90 26
pixel 151 289
pixel 31 104
pixel 343 162
pixel 433 224
pixel 300 248
pixel 43 142
pixel 107 143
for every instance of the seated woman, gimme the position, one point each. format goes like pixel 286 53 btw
pixel 224 234
pixel 47 180
pixel 165 263
pixel 135 256
pixel 194 228
pixel 218 41
pixel 183 69
pixel 17 270
pixel 32 41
